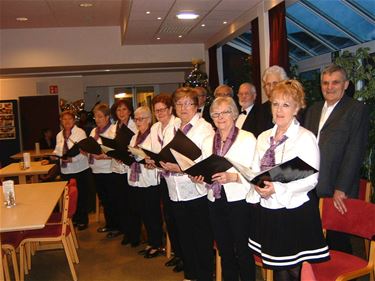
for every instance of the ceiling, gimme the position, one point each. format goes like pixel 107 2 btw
pixel 137 26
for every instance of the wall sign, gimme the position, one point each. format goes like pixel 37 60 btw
pixel 7 121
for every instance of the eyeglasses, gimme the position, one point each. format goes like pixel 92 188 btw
pixel 186 104
pixel 140 119
pixel 161 110
pixel 218 114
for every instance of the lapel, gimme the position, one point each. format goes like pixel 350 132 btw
pixel 337 112
pixel 316 113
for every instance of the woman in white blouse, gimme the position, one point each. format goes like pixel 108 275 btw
pixel 144 190
pixel 162 132
pixel 74 167
pixel 122 112
pixel 189 201
pixel 101 166
pixel 230 214
pixel 287 229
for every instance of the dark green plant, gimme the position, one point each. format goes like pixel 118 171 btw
pixel 360 67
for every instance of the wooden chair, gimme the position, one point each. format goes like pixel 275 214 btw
pixel 365 193
pixel 359 221
pixel 56 233
pixel 10 242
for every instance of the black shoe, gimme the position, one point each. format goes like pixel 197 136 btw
pixel 125 241
pixel 172 262
pixel 144 251
pixel 103 229
pixel 135 244
pixel 179 267
pixel 82 226
pixel 153 253
pixel 113 234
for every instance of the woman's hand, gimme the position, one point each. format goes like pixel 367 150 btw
pixel 197 179
pixel 172 167
pixel 225 177
pixel 266 191
pixel 150 164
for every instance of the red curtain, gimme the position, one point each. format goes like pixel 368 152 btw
pixel 213 76
pixel 256 59
pixel 278 37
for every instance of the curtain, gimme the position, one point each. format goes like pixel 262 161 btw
pixel 278 37
pixel 256 59
pixel 213 76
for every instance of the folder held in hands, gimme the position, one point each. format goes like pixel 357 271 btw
pixel 206 168
pixel 288 171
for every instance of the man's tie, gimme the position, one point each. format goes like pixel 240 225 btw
pixel 243 112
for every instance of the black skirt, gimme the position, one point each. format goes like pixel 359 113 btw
pixel 284 238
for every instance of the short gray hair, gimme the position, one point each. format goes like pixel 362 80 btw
pixel 275 69
pixel 228 101
pixel 145 110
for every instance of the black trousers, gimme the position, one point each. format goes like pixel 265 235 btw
pixel 83 185
pixel 170 219
pixel 105 186
pixel 121 198
pixel 195 237
pixel 231 222
pixel 145 207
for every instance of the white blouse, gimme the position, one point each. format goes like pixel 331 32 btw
pixel 180 187
pixel 147 177
pixel 80 162
pixel 302 143
pixel 242 152
pixel 102 166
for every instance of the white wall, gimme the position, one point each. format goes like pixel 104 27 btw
pixel 43 47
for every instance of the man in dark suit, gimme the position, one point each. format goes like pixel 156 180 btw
pixel 248 118
pixel 203 105
pixel 341 125
pixel 271 77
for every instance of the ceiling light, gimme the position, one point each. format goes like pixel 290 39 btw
pixel 85 5
pixel 203 25
pixel 158 38
pixel 120 95
pixel 179 36
pixel 225 22
pixel 148 12
pixel 22 19
pixel 187 16
pixel 159 18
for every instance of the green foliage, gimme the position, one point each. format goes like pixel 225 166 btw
pixel 360 67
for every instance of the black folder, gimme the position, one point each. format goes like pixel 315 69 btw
pixel 288 171
pixel 88 145
pixel 181 143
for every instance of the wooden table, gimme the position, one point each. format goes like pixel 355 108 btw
pixel 34 205
pixel 36 168
pixel 33 155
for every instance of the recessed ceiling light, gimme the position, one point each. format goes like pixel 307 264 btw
pixel 158 38
pixel 148 12
pixel 159 18
pixel 85 5
pixel 187 16
pixel 179 36
pixel 22 19
pixel 107 70
pixel 203 25
pixel 225 22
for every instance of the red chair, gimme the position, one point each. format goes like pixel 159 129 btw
pixel 10 242
pixel 359 221
pixel 307 273
pixel 56 233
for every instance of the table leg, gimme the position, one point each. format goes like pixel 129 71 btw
pixel 2 278
pixel 22 179
pixel 34 179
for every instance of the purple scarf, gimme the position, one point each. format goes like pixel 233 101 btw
pixel 221 151
pixel 135 168
pixel 66 147
pixel 268 159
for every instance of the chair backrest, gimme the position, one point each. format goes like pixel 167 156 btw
pixel 364 190
pixel 73 197
pixel 359 220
